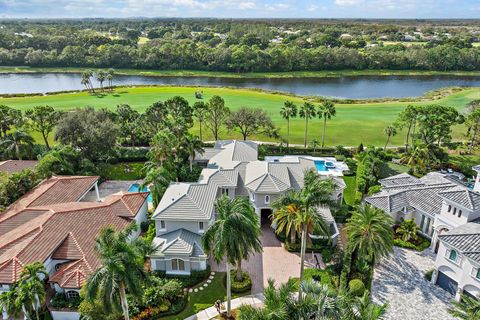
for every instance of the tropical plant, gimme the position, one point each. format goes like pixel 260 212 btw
pixel 122 269
pixel 86 80
pixel 370 233
pixel 467 308
pixel 17 143
pixel 9 118
pixel 365 309
pixel 110 75
pixel 326 111
pixel 314 144
pixel 192 145
pixel 408 230
pixel 27 296
pixel 389 131
pixel 417 158
pixel 408 118
pixel 473 123
pixel 297 210
pixel 307 111
pixel 233 236
pixel 101 77
pixel 288 111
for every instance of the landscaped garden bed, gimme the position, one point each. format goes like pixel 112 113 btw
pixel 406 236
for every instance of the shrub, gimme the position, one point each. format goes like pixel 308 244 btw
pixel 153 313
pixel 424 244
pixel 374 189
pixel 327 254
pixel 356 287
pixel 240 286
pixel 60 301
pixel 144 225
pixel 428 275
pixel 160 290
pixel 191 280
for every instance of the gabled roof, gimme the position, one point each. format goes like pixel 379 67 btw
pixel 233 152
pixel 12 166
pixel 464 197
pixel 402 179
pixel 466 239
pixel 180 241
pixel 72 275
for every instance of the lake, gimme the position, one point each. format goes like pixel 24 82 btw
pixel 362 87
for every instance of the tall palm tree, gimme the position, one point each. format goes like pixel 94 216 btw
pixel 122 269
pixel 416 158
pixel 234 235
pixel 304 204
pixel 199 109
pixel 26 296
pixel 101 76
pixel 467 309
pixel 87 80
pixel 389 131
pixel 110 75
pixel 307 111
pixel 192 145
pixel 326 111
pixel 408 229
pixel 370 233
pixel 157 179
pixel 288 111
pixel 18 143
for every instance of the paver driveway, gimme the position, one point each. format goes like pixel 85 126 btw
pixel 273 263
pixel 400 281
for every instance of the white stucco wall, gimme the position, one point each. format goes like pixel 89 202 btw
pixel 65 315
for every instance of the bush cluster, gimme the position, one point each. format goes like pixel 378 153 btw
pixel 240 286
pixel 60 301
pixel 356 287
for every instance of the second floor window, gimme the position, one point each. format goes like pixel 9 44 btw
pixel 459 213
pixel 452 255
pixel 267 199
pixel 200 226
pixel 449 208
pixel 162 224
pixel 225 192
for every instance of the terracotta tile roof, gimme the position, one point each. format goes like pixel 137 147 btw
pixel 11 166
pixel 61 230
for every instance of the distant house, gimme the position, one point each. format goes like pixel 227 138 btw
pixel 446 211
pixel 186 210
pixel 11 166
pixel 346 36
pixel 51 225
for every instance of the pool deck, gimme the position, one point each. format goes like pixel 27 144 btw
pixel 334 172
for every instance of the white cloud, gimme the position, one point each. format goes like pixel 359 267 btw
pixel 247 5
pixel 347 3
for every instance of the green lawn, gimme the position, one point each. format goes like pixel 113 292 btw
pixel 354 123
pixel 198 301
pixel 349 192
pixel 124 171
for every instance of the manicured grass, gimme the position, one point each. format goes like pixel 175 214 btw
pixel 198 301
pixel 354 124
pixel 124 171
pixel 392 169
pixel 349 192
pixel 291 74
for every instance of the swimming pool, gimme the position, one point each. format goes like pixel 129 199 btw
pixel 136 188
pixel 320 165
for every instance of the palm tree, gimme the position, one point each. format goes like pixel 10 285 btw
pixel 317 304
pixel 27 295
pixel 314 144
pixel 122 269
pixel 370 233
pixel 276 303
pixel 234 235
pixel 389 131
pixel 87 80
pixel 199 109
pixel 408 230
pixel 288 111
pixel 157 179
pixel 110 74
pixel 307 111
pixel 18 143
pixel 192 145
pixel 365 309
pixel 326 111
pixel 101 76
pixel 416 158
pixel 303 205
pixel 467 308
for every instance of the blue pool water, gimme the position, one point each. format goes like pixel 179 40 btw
pixel 136 188
pixel 320 165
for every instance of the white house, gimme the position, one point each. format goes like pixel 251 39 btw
pixel 448 212
pixel 50 224
pixel 232 168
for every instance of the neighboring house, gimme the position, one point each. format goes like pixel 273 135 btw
pixel 11 166
pixel 447 212
pixel 233 169
pixel 51 225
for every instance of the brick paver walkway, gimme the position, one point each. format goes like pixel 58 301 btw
pixel 273 263
pixel 399 280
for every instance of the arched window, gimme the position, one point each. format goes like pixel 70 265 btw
pixel 72 294
pixel 178 265
pixel 453 255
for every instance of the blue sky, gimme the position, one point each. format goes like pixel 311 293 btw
pixel 241 8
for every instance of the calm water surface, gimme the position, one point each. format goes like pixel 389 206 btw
pixel 363 87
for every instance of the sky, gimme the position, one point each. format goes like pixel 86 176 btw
pixel 423 9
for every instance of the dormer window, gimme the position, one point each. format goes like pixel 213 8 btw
pixel 267 199
pixel 459 213
pixel 449 208
pixel 201 226
pixel 224 192
pixel 454 211
pixel 162 224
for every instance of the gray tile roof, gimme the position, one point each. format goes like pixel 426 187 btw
pixel 466 239
pixel 462 196
pixel 402 179
pixel 180 241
